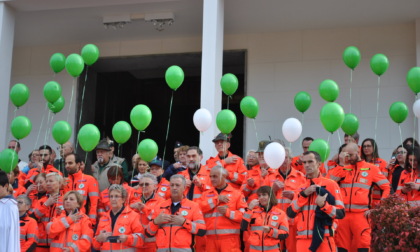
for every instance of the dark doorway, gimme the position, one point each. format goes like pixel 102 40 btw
pixel 115 85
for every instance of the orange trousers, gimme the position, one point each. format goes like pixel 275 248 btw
pixel 200 243
pixel 226 243
pixel 289 244
pixel 328 245
pixel 353 232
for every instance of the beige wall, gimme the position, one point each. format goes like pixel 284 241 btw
pixel 278 66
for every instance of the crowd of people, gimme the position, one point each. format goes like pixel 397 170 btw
pixel 223 204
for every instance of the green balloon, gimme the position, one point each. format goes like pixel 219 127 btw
pixel 57 62
pixel 229 84
pixel 350 124
pixel 121 132
pixel 413 79
pixel 8 160
pixel 147 149
pixel 329 90
pixel 75 64
pixel 140 117
pixel 52 91
pixel 249 107
pixel 332 116
pixel 58 105
pixel 351 57
pixel 90 54
pixel 61 132
pixel 321 147
pixel 302 101
pixel 226 121
pixel 19 94
pixel 88 137
pixel 174 77
pixel 21 126
pixel 398 112
pixel 379 64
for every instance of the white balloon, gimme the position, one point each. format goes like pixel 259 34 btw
pixel 416 108
pixel 202 119
pixel 274 155
pixel 292 129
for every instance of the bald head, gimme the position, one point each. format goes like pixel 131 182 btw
pixel 353 153
pixel 352 146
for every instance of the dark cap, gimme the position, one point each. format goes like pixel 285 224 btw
pixel 178 144
pixel 262 144
pixel 156 161
pixel 103 145
pixel 222 136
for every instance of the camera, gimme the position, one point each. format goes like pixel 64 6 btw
pixel 113 239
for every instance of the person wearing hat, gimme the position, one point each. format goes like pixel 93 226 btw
pixel 177 146
pixel 156 168
pixel 101 166
pixel 234 164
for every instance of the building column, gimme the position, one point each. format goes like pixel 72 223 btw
pixel 7 29
pixel 211 69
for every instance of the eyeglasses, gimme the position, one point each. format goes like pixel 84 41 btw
pixel 115 196
pixel 20 202
pixel 144 184
pixel 401 153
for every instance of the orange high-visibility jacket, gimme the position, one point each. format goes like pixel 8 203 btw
pixel 128 224
pixel 104 204
pixel 77 236
pixel 146 216
pixel 376 193
pixel 237 171
pixel 204 176
pixel 412 197
pixel 299 166
pixel 88 187
pixel 44 214
pixel 251 192
pixel 356 183
pixel 28 233
pixel 163 188
pixel 34 171
pixel 254 221
pixel 173 237
pixel 303 207
pixel 229 223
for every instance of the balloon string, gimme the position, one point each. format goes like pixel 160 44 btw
pixel 339 139
pixel 302 119
pixel 414 127
pixel 138 140
pixel 40 127
pixel 50 127
pixel 351 84
pixel 377 106
pixel 399 127
pixel 256 132
pixel 71 98
pixel 228 101
pixel 167 128
pixel 83 97
pixel 329 138
pixel 46 128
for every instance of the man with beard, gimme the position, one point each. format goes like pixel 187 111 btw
pixel 84 184
pixel 356 181
pixel 60 164
pixel 101 166
pixel 197 175
pixel 45 153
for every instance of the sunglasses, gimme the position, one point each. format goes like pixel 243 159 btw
pixel 144 184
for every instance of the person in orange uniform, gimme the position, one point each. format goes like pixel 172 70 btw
pixel 356 181
pixel 115 177
pixel 148 201
pixel 156 168
pixel 84 184
pixel 370 155
pixel 196 175
pixel 176 220
pixel 45 155
pixel 315 207
pixel 232 163
pixel 297 160
pixel 223 207
pixel 409 183
pixel 72 230
pixel 37 190
pixel 119 229
pixel 267 223
pixel 48 207
pixel 18 188
pixel 28 226
pixel 285 181
pixel 254 178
